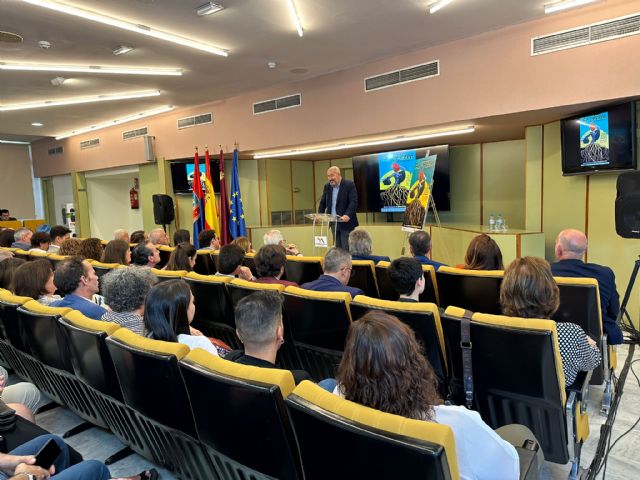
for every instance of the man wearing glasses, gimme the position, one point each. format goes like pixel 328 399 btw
pixel 337 272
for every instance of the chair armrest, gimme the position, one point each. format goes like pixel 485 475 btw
pixel 528 464
pixel 581 389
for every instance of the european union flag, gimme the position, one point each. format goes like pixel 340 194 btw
pixel 237 225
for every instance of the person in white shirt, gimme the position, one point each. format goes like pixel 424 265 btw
pixel 58 233
pixel 383 368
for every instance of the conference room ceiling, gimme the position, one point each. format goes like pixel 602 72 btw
pixel 338 34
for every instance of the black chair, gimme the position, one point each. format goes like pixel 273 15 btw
pixel 205 264
pixel 475 290
pixel 250 262
pixel 14 352
pixel 102 269
pixel 363 276
pixel 388 292
pixel 165 253
pixel 302 269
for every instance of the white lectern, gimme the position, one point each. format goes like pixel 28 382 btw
pixel 321 224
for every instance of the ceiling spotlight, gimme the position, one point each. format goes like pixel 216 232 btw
pixel 208 8
pixel 37 124
pixel 44 44
pixel 57 81
pixel 271 64
pixel 121 50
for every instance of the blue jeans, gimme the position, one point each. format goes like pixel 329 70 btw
pixel 87 470
pixel 329 384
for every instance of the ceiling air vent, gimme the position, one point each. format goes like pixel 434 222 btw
pixel 94 142
pixel 55 151
pixel 586 35
pixel 281 103
pixel 195 120
pixel 138 132
pixel 406 75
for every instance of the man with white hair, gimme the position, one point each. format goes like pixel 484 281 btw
pixel 158 236
pixel 274 237
pixel 340 198
pixel 571 245
pixel 22 237
pixel 121 234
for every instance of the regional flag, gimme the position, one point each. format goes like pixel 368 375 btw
pixel 224 205
pixel 210 210
pixel 237 225
pixel 197 200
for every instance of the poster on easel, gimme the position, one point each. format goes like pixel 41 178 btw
pixel 419 192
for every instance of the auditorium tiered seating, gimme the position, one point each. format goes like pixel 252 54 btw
pixel 475 290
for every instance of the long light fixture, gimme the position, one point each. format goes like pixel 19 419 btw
pixel 80 100
pixel 26 67
pixel 129 26
pixel 208 8
pixel 128 118
pixel 295 18
pixel 438 5
pixel 565 4
pixel 14 142
pixel 345 146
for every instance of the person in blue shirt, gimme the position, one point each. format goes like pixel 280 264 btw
pixel 76 279
pixel 420 247
pixel 337 272
pixel 360 247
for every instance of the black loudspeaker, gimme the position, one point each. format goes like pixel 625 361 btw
pixel 163 212
pixel 628 205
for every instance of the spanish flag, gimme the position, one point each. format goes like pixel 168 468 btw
pixel 210 211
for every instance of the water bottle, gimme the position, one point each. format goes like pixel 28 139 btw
pixel 499 223
pixel 492 222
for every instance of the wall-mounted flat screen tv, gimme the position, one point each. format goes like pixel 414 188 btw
pixel 383 179
pixel 182 174
pixel 600 141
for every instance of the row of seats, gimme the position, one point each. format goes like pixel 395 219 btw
pixel 15 224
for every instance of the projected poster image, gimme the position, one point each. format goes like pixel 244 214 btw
pixel 420 191
pixel 191 174
pixel 395 170
pixel 594 139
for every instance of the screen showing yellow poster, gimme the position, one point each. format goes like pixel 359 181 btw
pixel 419 191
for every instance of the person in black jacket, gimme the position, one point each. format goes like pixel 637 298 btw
pixel 340 197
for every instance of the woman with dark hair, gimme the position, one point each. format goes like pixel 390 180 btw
pixel 138 236
pixel 383 368
pixel 91 249
pixel 183 257
pixel 70 247
pixel 483 253
pixel 168 313
pixel 181 236
pixel 117 251
pixel 528 290
pixel 35 279
pixel 7 269
pixel 7 237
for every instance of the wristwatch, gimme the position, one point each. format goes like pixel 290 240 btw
pixel 24 476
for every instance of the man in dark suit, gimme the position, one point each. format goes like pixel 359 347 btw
pixel 571 246
pixel 340 197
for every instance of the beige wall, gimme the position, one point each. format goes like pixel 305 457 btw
pixel 16 189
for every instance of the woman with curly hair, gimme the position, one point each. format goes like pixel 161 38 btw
pixel 91 249
pixel 383 368
pixel 183 257
pixel 483 253
pixel 117 251
pixel 70 247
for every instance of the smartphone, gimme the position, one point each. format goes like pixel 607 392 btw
pixel 48 454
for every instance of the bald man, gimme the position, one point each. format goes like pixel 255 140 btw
pixel 340 198
pixel 571 245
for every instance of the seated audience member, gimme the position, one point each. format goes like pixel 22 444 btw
pixel 138 236
pixel 183 257
pixel 77 281
pixel 5 216
pixel 181 236
pixel 22 239
pixel 125 291
pixel 270 261
pixel 40 242
pixel 571 245
pixel 35 279
pixel 260 329
pixel 91 249
pixel 529 291
pixel 20 463
pixel 168 313
pixel 407 278
pixel 70 247
pixel 7 237
pixel 58 234
pixel 483 253
pixel 274 237
pixel 229 263
pixel 420 247
pixel 117 251
pixel 337 272
pixel 23 397
pixel 146 254
pixel 7 269
pixel 121 234
pixel 158 236
pixel 383 368
pixel 244 244
pixel 360 246
pixel 4 254
pixel 208 241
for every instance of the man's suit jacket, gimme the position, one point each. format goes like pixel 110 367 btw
pixel 346 203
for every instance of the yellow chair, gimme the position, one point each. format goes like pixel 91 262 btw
pixel 33 224
pixel 302 269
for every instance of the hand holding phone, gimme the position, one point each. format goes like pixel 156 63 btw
pixel 47 454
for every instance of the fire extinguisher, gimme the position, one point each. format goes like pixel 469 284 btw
pixel 133 195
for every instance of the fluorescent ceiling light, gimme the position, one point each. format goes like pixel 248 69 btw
pixel 14 142
pixel 89 69
pixel 79 100
pixel 129 118
pixel 345 146
pixel 37 124
pixel 209 8
pixel 122 49
pixel 564 4
pixel 125 25
pixel 295 18
pixel 438 5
